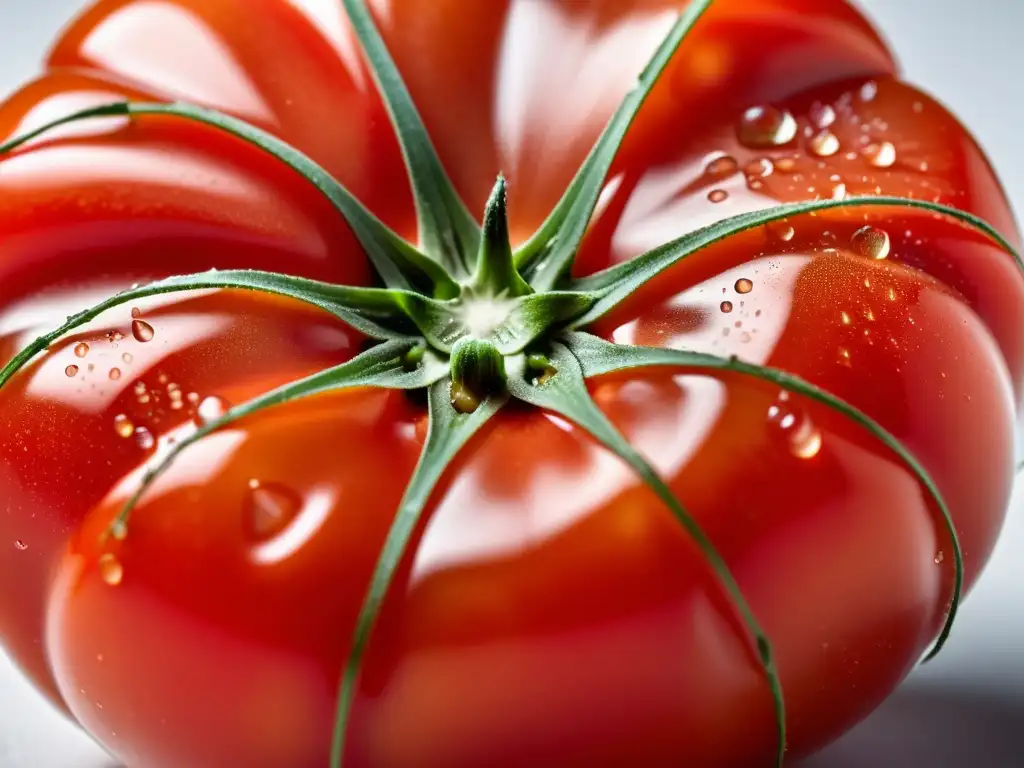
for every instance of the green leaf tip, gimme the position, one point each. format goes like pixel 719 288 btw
pixel 496 273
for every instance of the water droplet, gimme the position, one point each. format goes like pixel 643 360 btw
pixel 743 285
pixel 766 126
pixel 71 371
pixel 193 397
pixel 136 312
pixel 127 357
pixel 726 306
pixel 881 155
pixel 81 350
pixel 722 166
pixel 111 570
pixel 759 169
pixel 119 530
pixel 144 439
pixel 822 115
pixel 123 426
pixel 802 437
pixel 871 242
pixel 844 318
pixel 20 545
pixel 785 164
pixel 142 331
pixel 939 557
pixel 844 357
pixel 718 195
pixel 824 144
pixel 839 192
pixel 269 509
pixel 210 410
pixel 783 230
pixel 868 91
pixel 115 374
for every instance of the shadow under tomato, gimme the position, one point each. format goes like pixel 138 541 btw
pixel 940 728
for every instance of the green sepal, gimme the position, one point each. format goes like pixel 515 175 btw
pixel 376 312
pixel 399 264
pixel 444 324
pixel 599 357
pixel 447 231
pixel 447 434
pixel 612 286
pixel 565 393
pixel 551 250
pixel 496 274
pixel 384 366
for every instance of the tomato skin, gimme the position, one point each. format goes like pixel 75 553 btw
pixel 553 613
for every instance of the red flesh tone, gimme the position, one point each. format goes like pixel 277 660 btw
pixel 554 615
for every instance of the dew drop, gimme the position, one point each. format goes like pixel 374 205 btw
pixel 718 195
pixel 839 192
pixel 127 357
pixel 795 427
pixel 824 144
pixel 881 155
pixel 81 350
pixel 71 371
pixel 269 509
pixel 136 312
pixel 722 166
pixel 210 410
pixel 743 285
pixel 142 331
pixel 115 374
pixel 111 570
pixel 20 545
pixel 123 425
pixel 822 115
pixel 785 164
pixel 844 318
pixel 939 557
pixel 868 91
pixel 144 439
pixel 872 242
pixel 766 126
pixel 119 530
pixel 726 307
pixel 783 230
pixel 759 169
pixel 844 357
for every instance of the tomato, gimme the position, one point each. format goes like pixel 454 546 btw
pixel 551 611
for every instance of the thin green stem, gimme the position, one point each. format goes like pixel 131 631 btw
pixel 448 232
pixel 599 357
pixel 399 264
pixel 447 434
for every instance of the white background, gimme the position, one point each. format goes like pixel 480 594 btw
pixel 964 709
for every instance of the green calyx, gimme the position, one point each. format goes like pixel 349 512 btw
pixel 475 335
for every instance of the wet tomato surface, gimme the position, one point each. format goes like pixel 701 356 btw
pixel 551 612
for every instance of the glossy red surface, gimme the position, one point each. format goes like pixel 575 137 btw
pixel 553 613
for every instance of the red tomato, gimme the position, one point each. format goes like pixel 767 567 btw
pixel 553 612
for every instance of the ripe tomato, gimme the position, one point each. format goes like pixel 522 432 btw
pixel 552 613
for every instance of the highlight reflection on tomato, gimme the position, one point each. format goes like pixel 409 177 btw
pixel 549 609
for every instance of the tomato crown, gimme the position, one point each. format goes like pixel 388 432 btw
pixel 476 323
